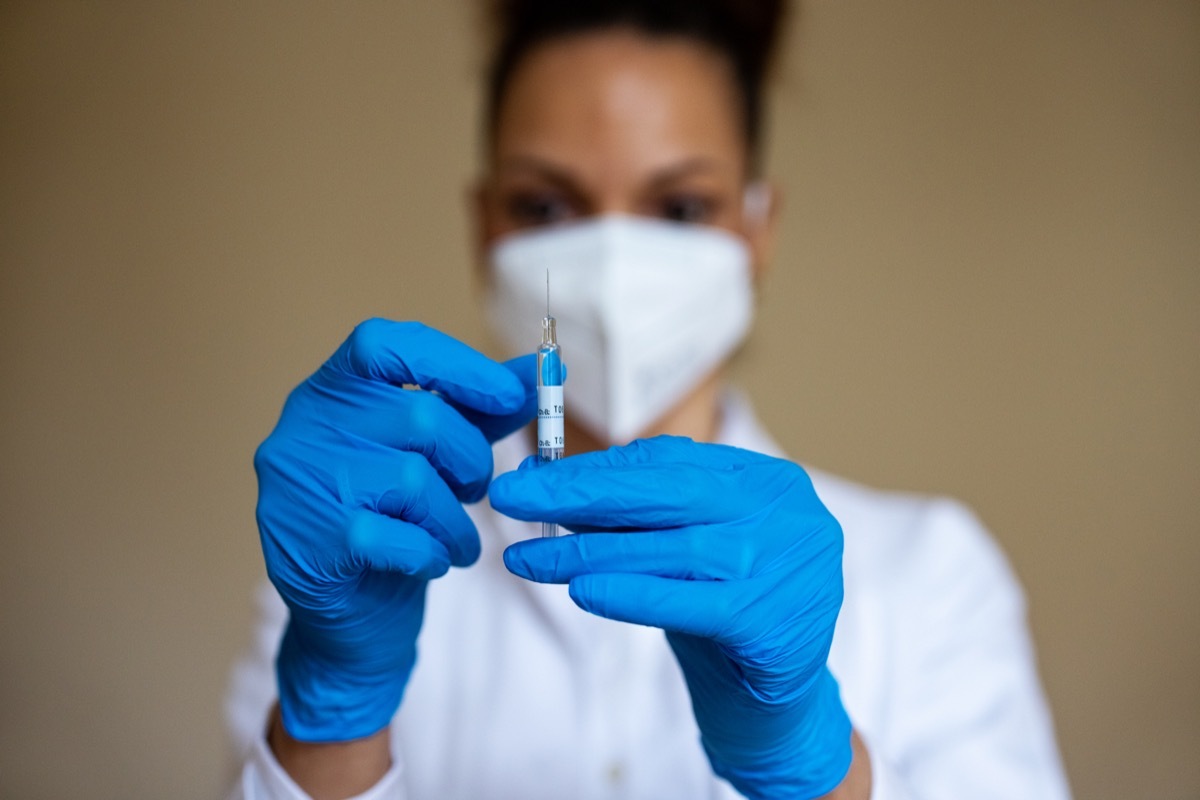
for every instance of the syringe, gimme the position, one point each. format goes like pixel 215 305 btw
pixel 549 398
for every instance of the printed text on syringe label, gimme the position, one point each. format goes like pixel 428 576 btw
pixel 550 416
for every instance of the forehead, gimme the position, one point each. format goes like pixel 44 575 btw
pixel 617 102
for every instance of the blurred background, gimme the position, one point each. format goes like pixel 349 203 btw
pixel 987 286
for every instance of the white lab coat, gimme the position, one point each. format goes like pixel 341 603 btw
pixel 517 693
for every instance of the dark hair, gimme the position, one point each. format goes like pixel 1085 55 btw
pixel 743 31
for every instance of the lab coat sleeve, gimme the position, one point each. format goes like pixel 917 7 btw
pixel 886 784
pixel 247 706
pixel 966 716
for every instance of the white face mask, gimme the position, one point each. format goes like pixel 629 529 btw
pixel 646 309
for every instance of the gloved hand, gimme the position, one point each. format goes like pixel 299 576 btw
pixel 359 507
pixel 732 553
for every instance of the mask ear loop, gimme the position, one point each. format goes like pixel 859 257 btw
pixel 756 211
pixel 756 202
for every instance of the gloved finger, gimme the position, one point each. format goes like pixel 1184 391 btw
pixel 496 426
pixel 643 495
pixel 412 421
pixel 453 446
pixel 698 608
pixel 401 353
pixel 694 553
pixel 670 449
pixel 406 487
pixel 391 545
pixel 532 462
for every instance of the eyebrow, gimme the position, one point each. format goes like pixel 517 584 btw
pixel 683 169
pixel 556 173
pixel 543 167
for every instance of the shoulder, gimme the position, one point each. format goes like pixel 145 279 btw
pixel 915 546
pixel 911 555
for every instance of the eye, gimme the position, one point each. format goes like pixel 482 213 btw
pixel 688 208
pixel 530 209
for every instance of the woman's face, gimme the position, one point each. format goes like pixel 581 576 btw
pixel 619 122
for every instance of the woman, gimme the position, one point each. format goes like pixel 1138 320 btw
pixel 821 639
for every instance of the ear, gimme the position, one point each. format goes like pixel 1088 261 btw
pixel 762 200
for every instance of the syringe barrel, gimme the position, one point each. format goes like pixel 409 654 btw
pixel 550 434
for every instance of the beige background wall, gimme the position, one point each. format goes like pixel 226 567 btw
pixel 988 286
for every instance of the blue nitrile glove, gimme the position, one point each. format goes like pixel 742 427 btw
pixel 359 490
pixel 732 553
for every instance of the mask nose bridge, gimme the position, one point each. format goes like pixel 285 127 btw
pixel 610 237
pixel 614 259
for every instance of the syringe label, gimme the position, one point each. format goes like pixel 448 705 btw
pixel 550 416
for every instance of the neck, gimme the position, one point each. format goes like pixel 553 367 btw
pixel 697 417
